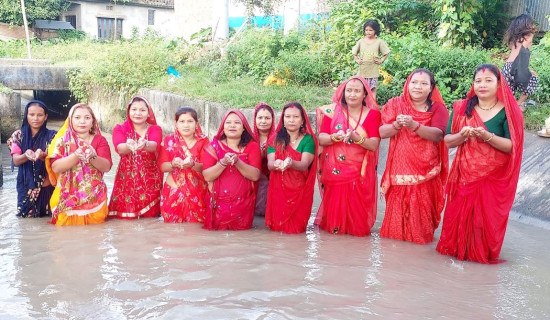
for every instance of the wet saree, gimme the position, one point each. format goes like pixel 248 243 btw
pixel 231 197
pixel 347 177
pixel 136 191
pixel 416 171
pixel 33 199
pixel 80 196
pixel 186 202
pixel 481 186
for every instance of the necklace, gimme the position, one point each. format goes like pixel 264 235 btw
pixel 295 140
pixel 487 109
pixel 358 121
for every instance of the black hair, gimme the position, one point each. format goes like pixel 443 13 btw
pixel 283 138
pixel 343 99
pixel 432 85
pixel 473 101
pixel 246 137
pixel 183 110
pixel 373 24
pixel 520 27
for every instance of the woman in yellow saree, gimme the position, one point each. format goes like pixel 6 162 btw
pixel 77 159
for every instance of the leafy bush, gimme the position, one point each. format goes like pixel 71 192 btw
pixel 539 63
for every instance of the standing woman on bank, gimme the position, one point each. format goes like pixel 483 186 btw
pixel 136 192
pixel 28 150
pixel 231 165
pixel 291 159
pixel 487 130
pixel 417 165
pixel 184 193
pixel 350 138
pixel 77 159
pixel 264 124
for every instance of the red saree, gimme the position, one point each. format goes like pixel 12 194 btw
pixel 290 193
pixel 187 202
pixel 348 171
pixel 136 191
pixel 413 184
pixel 231 197
pixel 262 184
pixel 481 186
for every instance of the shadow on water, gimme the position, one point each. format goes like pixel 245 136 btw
pixel 148 269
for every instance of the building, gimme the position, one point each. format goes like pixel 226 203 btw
pixel 45 29
pixel 538 9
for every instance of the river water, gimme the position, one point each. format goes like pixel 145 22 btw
pixel 146 269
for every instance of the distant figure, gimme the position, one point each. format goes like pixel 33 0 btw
pixel 367 52
pixel 77 159
pixel 487 130
pixel 136 191
pixel 519 38
pixel 28 151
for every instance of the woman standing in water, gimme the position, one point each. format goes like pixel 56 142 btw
pixel 77 159
pixel 487 130
pixel 264 123
pixel 417 165
pixel 232 164
pixel 349 137
pixel 28 150
pixel 184 193
pixel 291 155
pixel 136 191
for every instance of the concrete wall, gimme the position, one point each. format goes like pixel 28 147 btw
pixel 10 113
pixel 34 77
pixel 132 16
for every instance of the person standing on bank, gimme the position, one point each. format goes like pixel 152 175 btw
pixel 369 52
pixel 136 191
pixel 291 159
pixel 264 124
pixel 28 148
pixel 487 130
pixel 417 164
pixel 348 155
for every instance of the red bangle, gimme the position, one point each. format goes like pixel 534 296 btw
pixel 394 126
pixel 417 127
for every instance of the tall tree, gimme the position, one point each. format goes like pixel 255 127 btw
pixel 10 10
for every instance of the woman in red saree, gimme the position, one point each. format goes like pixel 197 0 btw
pixel 77 159
pixel 417 163
pixel 136 192
pixel 264 124
pixel 487 128
pixel 291 155
pixel 350 138
pixel 231 165
pixel 184 193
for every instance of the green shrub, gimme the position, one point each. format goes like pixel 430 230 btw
pixel 303 67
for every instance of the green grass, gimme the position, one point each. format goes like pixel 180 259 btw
pixel 244 92
pixel 535 116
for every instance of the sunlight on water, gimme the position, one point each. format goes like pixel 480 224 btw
pixel 145 269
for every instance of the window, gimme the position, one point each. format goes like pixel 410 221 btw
pixel 151 17
pixel 71 20
pixel 106 28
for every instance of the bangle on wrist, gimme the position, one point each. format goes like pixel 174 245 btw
pixel 489 139
pixel 417 127
pixel 221 164
pixel 334 139
pixel 394 126
pixel 360 141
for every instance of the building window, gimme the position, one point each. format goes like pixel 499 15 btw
pixel 106 28
pixel 71 20
pixel 151 17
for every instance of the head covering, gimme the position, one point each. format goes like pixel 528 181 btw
pixel 263 105
pixel 243 120
pixel 306 129
pixel 128 126
pixel 367 101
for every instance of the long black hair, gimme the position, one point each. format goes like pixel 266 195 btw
pixel 283 138
pixel 432 85
pixel 474 100
pixel 519 28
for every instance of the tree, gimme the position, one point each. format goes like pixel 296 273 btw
pixel 265 6
pixel 10 10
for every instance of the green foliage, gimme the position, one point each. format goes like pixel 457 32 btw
pixel 490 31
pixel 457 27
pixel 4 89
pixel 303 67
pixel 265 6
pixel 10 10
pixel 68 35
pixel 535 116
pixel 539 63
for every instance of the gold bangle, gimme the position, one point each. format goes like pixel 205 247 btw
pixel 491 137
pixel 360 141
pixel 334 139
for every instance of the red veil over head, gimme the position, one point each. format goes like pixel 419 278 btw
pixel 128 125
pixel 263 105
pixel 243 119
pixel 420 160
